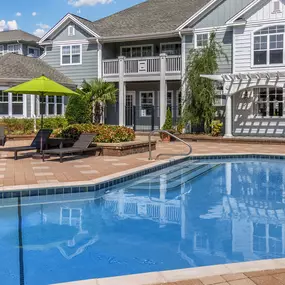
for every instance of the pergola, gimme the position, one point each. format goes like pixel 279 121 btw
pixel 237 82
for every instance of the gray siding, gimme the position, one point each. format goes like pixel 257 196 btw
pixel 80 34
pixel 221 14
pixel 226 41
pixel 87 70
pixel 112 50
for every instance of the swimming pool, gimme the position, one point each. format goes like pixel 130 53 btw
pixel 192 214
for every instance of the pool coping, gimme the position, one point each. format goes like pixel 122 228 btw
pixel 119 177
pixel 184 274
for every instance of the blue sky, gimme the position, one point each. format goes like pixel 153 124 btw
pixel 36 16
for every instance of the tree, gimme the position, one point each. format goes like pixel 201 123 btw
pixel 78 110
pixel 99 93
pixel 200 92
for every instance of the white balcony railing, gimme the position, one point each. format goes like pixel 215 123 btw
pixel 143 65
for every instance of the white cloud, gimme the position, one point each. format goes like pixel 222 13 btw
pixel 79 3
pixel 34 14
pixel 43 26
pixel 78 11
pixel 18 14
pixel 9 25
pixel 39 33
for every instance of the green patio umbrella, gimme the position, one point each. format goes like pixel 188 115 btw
pixel 41 86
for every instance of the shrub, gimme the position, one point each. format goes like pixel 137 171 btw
pixel 25 126
pixel 104 133
pixel 216 128
pixel 168 121
pixel 78 110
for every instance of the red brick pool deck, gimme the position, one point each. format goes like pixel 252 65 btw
pixel 27 171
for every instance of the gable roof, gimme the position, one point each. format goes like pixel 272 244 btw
pixel 17 35
pixel 243 11
pixel 152 16
pixel 21 68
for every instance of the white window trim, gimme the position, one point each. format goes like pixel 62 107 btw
pixel 177 103
pixel 140 101
pixel 195 38
pixel 255 116
pixel 3 52
pixel 170 43
pixel 30 47
pixel 268 48
pixel 172 102
pixel 141 46
pixel 71 30
pixel 64 64
pixel 20 51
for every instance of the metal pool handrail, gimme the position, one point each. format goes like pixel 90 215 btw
pixel 168 154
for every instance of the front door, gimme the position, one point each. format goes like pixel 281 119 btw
pixel 130 102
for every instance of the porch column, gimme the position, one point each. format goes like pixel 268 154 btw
pixel 163 89
pixel 229 117
pixel 121 91
pixel 33 103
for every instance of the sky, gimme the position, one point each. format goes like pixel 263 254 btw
pixel 38 16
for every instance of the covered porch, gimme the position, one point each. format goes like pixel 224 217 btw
pixel 254 103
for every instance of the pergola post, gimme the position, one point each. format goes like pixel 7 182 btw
pixel 229 117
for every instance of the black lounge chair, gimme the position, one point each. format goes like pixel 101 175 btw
pixel 2 136
pixel 40 140
pixel 81 146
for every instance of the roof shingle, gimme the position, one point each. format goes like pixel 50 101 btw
pixel 152 16
pixel 17 35
pixel 23 68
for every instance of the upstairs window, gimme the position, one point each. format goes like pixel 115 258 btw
pixel 34 52
pixel 13 48
pixel 71 54
pixel 202 40
pixel 276 7
pixel 171 48
pixel 269 46
pixel 71 31
pixel 137 51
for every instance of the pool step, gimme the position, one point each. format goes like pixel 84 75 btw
pixel 175 179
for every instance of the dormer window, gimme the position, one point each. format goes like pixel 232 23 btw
pixel 71 30
pixel 276 7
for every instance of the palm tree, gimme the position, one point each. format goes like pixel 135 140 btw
pixel 99 93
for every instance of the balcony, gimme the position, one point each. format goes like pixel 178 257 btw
pixel 144 68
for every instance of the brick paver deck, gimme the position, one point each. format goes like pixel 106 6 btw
pixel 267 277
pixel 26 170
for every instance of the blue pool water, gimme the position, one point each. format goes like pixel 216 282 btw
pixel 188 215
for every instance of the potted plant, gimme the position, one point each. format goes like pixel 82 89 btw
pixel 167 127
pixel 216 126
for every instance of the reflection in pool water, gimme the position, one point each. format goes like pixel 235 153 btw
pixel 230 212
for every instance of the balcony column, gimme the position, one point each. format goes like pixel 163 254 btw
pixel 163 89
pixel 229 117
pixel 121 91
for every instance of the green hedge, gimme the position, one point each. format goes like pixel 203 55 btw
pixel 105 133
pixel 26 126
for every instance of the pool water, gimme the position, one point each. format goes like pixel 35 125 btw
pixel 188 215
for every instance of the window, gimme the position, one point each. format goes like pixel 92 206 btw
pixel 269 46
pixel 71 31
pixel 71 54
pixel 259 238
pixel 52 106
pixel 13 48
pixel 34 52
pixel 4 103
pixel 137 51
pixel 269 101
pixel 146 103
pixel 1 50
pixel 179 103
pixel 171 48
pixel 169 100
pixel 17 104
pixel 276 7
pixel 202 40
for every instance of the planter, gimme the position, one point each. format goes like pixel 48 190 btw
pixel 165 137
